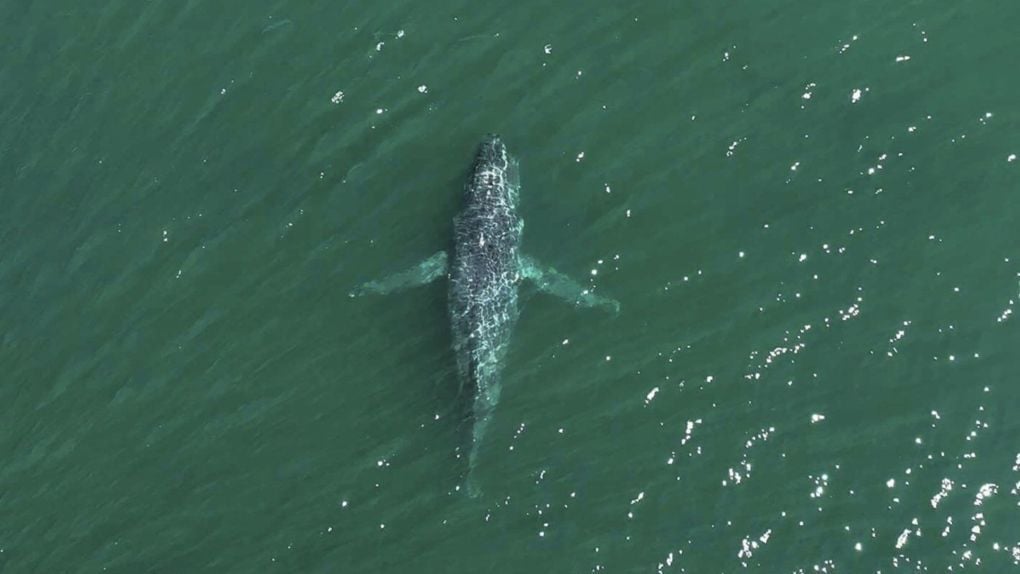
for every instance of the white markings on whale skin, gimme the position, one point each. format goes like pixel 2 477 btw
pixel 484 280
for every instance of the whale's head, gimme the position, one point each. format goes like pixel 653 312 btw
pixel 495 171
pixel 493 151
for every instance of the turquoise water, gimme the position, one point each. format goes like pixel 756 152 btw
pixel 807 211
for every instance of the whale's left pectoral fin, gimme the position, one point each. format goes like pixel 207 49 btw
pixel 425 272
pixel 553 282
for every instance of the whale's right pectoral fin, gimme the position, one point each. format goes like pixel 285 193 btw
pixel 425 272
pixel 555 283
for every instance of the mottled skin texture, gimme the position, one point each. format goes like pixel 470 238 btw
pixel 484 276
pixel 485 271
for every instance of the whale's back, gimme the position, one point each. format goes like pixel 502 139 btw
pixel 484 275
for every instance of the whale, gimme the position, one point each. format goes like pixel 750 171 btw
pixel 485 269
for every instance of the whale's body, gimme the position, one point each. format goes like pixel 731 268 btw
pixel 484 275
pixel 485 271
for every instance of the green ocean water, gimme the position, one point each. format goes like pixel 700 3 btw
pixel 808 211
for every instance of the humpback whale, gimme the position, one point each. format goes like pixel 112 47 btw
pixel 484 271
